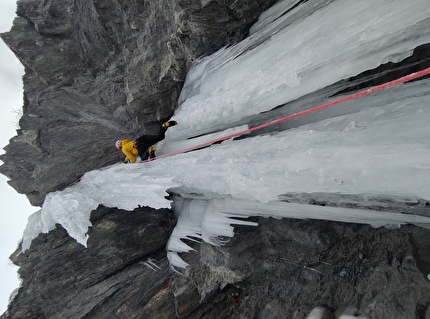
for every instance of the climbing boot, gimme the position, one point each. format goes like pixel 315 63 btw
pixel 151 152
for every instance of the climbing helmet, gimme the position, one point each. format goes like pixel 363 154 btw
pixel 118 144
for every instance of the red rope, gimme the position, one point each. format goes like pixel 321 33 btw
pixel 371 90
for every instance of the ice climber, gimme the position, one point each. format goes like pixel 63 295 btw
pixel 143 145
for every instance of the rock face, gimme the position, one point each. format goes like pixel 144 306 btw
pixel 108 279
pixel 100 70
pixel 280 269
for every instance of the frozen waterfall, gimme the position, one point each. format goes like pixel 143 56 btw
pixel 379 144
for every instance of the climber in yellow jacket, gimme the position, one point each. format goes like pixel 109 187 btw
pixel 143 145
pixel 129 149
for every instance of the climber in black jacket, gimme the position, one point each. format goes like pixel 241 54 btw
pixel 145 143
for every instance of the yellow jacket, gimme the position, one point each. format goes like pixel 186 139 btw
pixel 129 150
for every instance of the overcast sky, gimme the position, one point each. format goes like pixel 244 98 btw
pixel 15 208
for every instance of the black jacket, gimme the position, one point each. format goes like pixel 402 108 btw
pixel 147 140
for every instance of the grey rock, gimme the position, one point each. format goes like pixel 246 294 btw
pixel 106 279
pixel 285 268
pixel 279 269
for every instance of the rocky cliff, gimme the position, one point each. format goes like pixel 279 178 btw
pixel 100 70
pixel 280 269
pixel 97 70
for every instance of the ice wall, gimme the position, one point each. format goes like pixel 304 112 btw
pixel 316 44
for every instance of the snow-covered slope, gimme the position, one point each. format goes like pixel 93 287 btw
pixel 381 146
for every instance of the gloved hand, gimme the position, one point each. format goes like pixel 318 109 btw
pixel 165 125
